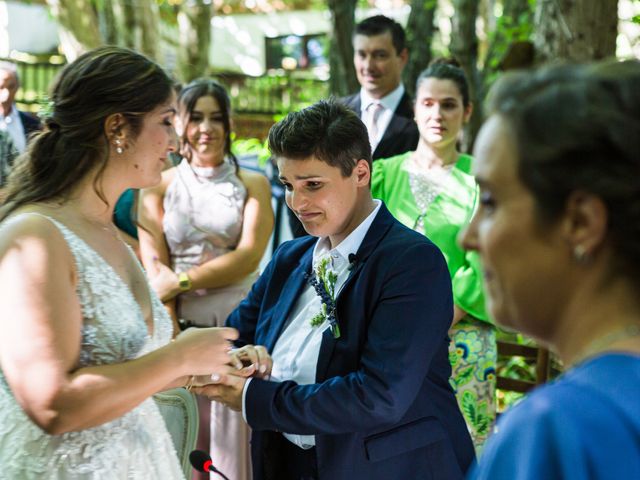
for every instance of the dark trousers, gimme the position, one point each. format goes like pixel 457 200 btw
pixel 286 461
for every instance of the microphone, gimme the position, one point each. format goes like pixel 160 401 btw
pixel 201 461
pixel 352 260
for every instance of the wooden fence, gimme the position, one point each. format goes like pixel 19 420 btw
pixel 269 96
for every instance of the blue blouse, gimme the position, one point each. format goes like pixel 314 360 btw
pixel 585 425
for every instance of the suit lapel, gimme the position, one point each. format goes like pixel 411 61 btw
pixel 354 103
pixel 375 234
pixel 291 290
pixel 400 121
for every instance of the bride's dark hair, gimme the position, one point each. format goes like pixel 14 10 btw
pixel 100 83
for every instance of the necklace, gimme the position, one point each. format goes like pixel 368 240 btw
pixel 600 345
pixel 426 185
pixel 108 227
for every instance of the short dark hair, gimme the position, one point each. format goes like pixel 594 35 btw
pixel 328 131
pixel 577 128
pixel 379 24
pixel 447 69
pixel 187 99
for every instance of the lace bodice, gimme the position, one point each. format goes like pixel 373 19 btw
pixel 425 186
pixel 134 446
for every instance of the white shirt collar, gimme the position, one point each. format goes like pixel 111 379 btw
pixel 389 101
pixel 351 244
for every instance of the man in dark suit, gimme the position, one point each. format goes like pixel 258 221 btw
pixel 18 124
pixel 380 56
pixel 346 329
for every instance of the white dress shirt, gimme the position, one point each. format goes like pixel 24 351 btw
pixel 389 103
pixel 12 124
pixel 295 354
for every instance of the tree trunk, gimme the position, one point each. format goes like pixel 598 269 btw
pixel 109 22
pixel 128 29
pixel 420 29
pixel 464 47
pixel 343 78
pixel 148 19
pixel 578 30
pixel 194 27
pixel 77 20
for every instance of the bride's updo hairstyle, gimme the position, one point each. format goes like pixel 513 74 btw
pixel 100 83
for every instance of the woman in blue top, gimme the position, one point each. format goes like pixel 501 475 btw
pixel 557 231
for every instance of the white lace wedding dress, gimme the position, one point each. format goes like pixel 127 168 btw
pixel 134 446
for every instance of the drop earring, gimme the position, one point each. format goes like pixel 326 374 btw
pixel 580 254
pixel 119 148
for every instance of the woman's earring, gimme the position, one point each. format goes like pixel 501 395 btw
pixel 119 149
pixel 580 254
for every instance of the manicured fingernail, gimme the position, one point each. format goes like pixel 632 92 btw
pixel 215 377
pixel 263 368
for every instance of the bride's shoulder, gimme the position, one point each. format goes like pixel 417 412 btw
pixel 32 232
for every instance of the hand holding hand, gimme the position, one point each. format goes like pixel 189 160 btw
pixel 255 355
pixel 228 391
pixel 220 376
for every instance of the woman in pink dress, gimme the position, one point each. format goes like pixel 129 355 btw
pixel 204 231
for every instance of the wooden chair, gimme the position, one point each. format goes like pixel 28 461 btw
pixel 531 353
pixel 180 413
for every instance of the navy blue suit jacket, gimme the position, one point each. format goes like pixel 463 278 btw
pixel 401 134
pixel 382 406
pixel 30 124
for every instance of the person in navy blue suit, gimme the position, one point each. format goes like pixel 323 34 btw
pixel 349 326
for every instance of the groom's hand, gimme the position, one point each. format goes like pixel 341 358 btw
pixel 253 355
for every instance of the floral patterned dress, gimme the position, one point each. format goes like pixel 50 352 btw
pixel 439 204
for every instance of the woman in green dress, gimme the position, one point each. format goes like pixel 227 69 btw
pixel 431 191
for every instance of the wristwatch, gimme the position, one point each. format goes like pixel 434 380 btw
pixel 184 282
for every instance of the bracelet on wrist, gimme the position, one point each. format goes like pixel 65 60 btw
pixel 184 282
pixel 190 382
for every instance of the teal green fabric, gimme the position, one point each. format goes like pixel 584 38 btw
pixel 123 213
pixel 443 221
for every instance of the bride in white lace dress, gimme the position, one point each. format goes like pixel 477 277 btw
pixel 84 342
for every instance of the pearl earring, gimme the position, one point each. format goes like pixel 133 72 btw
pixel 119 149
pixel 580 254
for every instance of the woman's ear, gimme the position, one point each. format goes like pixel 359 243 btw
pixel 115 128
pixel 468 111
pixel 585 223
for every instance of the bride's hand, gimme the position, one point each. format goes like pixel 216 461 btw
pixel 220 375
pixel 202 351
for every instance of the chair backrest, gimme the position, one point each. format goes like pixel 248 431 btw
pixel 530 353
pixel 180 413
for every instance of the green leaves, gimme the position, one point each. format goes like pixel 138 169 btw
pixel 475 412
